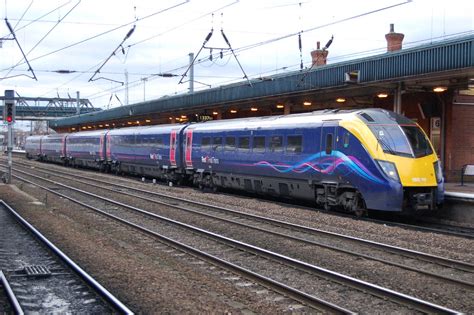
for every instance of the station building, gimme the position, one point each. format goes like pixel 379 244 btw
pixel 433 84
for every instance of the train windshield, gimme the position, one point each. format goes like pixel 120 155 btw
pixel 402 140
pixel 396 134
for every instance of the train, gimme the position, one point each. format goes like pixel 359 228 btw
pixel 353 160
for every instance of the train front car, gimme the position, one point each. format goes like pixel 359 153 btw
pixel 354 160
pixel 412 179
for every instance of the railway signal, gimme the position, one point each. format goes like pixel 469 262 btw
pixel 9 108
pixel 9 118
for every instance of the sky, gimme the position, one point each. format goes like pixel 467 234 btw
pixel 89 46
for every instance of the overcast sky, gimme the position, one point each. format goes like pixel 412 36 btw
pixel 78 36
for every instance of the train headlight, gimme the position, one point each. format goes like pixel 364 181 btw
pixel 389 169
pixel 438 171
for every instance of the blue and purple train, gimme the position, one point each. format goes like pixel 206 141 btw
pixel 357 160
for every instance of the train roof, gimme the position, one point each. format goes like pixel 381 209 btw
pixel 92 133
pixel 269 122
pixel 368 116
pixel 146 129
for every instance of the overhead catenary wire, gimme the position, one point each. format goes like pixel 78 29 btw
pixel 130 32
pixel 108 31
pixel 42 16
pixel 23 15
pixel 241 49
pixel 22 52
pixel 220 54
pixel 46 35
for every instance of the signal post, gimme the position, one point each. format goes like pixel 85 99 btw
pixel 9 119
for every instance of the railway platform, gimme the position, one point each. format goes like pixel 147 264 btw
pixel 454 190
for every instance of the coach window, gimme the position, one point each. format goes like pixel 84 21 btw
pixel 329 143
pixel 276 144
pixel 244 143
pixel 159 143
pixel 206 143
pixel 258 144
pixel 217 144
pixel 294 144
pixel 230 143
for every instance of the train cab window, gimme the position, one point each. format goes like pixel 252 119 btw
pixel 244 143
pixel 217 144
pixel 329 143
pixel 345 140
pixel 295 144
pixel 276 144
pixel 230 143
pixel 206 143
pixel 258 144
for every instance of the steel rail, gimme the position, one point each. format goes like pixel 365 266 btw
pixel 10 294
pixel 376 290
pixel 283 289
pixel 467 284
pixel 464 266
pixel 109 297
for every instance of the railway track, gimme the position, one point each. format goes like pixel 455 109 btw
pixel 37 277
pixel 458 272
pixel 424 226
pixel 227 249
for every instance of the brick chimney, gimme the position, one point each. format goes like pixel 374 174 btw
pixel 394 40
pixel 319 55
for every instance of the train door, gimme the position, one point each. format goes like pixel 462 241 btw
pixel 173 138
pixel 189 148
pixel 101 147
pixel 108 147
pixel 328 146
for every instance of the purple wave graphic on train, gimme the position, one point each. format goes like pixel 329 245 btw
pixel 326 164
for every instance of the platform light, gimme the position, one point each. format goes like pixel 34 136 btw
pixel 439 89
pixel 171 118
pixel 340 99
pixel 84 127
pixel 307 103
pixel 215 113
pixel 89 127
pixel 73 129
pixel 138 122
pixel 280 106
pixel 129 122
pixel 184 116
pixel 148 120
pixel 254 109
pixel 101 126
pixel 382 95
pixel 107 125
pixel 233 111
